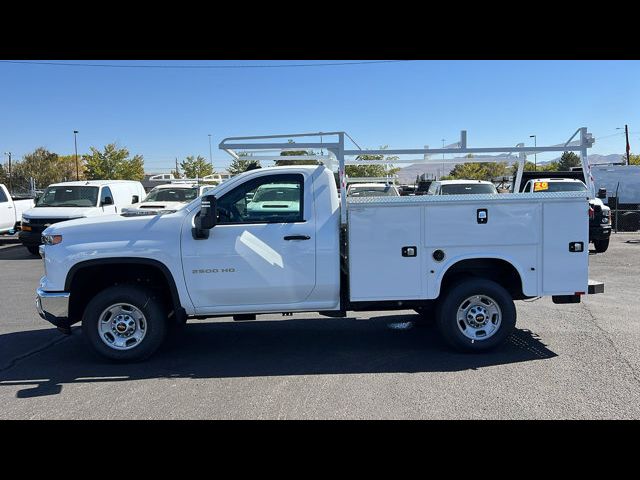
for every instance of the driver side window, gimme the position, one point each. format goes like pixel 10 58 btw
pixel 267 199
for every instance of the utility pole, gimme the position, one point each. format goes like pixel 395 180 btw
pixel 628 147
pixel 210 156
pixel 177 171
pixel 626 132
pixel 75 142
pixel 442 160
pixel 9 155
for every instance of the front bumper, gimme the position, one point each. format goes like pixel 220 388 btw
pixel 30 238
pixel 53 307
pixel 600 232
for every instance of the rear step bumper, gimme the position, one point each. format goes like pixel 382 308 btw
pixel 593 288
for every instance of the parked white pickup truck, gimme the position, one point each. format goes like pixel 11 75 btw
pixel 170 196
pixel 465 258
pixel 11 209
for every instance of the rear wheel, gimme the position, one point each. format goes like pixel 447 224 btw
pixel 601 245
pixel 476 315
pixel 125 323
pixel 34 250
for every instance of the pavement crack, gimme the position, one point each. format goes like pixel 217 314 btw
pixel 15 360
pixel 608 338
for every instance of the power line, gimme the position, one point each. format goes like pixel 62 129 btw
pixel 110 65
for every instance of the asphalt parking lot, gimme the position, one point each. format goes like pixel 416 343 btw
pixel 578 361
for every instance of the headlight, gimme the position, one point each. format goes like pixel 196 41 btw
pixel 26 220
pixel 51 239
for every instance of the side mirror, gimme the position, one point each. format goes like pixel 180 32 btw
pixel 207 219
pixel 107 201
pixel 135 199
pixel 602 193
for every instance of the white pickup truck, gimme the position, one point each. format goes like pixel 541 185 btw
pixel 11 210
pixel 462 258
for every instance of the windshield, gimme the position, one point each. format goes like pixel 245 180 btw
pixel 381 191
pixel 461 188
pixel 276 194
pixel 172 195
pixel 560 187
pixel 69 196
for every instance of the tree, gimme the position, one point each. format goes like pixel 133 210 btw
pixel 376 170
pixel 292 153
pixel 41 165
pixel 479 170
pixel 196 167
pixel 528 167
pixel 113 163
pixel 240 165
pixel 67 167
pixel 634 159
pixel 568 160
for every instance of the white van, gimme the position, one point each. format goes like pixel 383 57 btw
pixel 69 200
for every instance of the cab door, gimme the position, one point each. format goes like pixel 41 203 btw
pixel 7 212
pixel 262 251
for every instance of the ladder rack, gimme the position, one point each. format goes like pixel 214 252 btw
pixel 337 151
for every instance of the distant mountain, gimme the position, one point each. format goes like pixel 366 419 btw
pixel 595 159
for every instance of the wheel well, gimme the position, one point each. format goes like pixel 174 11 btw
pixel 495 269
pixel 85 281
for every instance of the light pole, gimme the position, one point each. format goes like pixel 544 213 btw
pixel 535 154
pixel 9 155
pixel 442 160
pixel 75 143
pixel 210 157
pixel 626 133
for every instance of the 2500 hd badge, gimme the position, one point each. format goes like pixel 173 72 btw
pixel 214 270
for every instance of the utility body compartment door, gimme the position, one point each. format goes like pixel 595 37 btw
pixel 379 269
pixel 565 225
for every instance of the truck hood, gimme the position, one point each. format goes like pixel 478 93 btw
pixel 113 223
pixel 597 201
pixel 61 212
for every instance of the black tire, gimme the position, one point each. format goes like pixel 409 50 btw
pixel 601 245
pixel 142 299
pixel 454 298
pixel 34 250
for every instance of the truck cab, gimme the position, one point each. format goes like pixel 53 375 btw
pixel 11 209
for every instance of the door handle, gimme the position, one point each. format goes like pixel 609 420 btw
pixel 297 237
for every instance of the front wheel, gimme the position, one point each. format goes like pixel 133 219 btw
pixel 476 315
pixel 34 250
pixel 601 245
pixel 125 323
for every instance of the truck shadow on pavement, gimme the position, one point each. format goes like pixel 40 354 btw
pixel 317 346
pixel 16 252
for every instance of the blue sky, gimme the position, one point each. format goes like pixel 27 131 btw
pixel 168 113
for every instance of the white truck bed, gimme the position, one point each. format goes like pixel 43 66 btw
pixel 531 231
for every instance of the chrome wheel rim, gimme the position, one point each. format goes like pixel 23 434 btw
pixel 479 317
pixel 122 326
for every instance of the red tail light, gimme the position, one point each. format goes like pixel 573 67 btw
pixel 591 212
